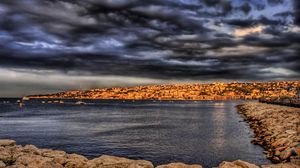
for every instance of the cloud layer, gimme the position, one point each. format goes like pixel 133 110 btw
pixel 169 40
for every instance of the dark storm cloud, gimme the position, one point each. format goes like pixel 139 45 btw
pixel 297 12
pixel 170 39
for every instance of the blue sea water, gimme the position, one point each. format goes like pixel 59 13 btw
pixel 195 132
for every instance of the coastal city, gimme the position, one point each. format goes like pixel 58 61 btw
pixel 213 91
pixel 149 84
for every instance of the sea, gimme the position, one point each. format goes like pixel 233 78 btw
pixel 193 132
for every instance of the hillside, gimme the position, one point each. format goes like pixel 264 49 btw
pixel 213 91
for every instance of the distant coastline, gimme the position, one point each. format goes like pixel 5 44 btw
pixel 213 91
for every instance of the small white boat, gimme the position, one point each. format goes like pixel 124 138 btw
pixel 25 98
pixel 80 103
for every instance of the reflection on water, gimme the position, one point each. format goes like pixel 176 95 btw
pixel 219 129
pixel 204 132
pixel 218 104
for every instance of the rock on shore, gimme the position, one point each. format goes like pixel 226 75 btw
pixel 237 164
pixel 179 165
pixel 7 142
pixel 276 129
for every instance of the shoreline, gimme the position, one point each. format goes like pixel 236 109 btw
pixel 58 98
pixel 104 99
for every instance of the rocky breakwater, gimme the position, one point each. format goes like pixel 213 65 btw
pixel 276 128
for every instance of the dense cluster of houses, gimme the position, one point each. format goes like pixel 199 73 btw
pixel 213 91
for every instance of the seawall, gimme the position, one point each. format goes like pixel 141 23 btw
pixel 277 129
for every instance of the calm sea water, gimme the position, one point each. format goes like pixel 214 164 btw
pixel 203 132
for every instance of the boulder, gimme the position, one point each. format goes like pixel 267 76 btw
pixel 280 142
pixel 60 160
pixel 237 164
pixel 179 165
pixel 31 149
pixel 5 155
pixel 33 161
pixel 297 150
pixel 291 132
pixel 281 165
pixel 76 164
pixel 76 157
pixel 287 153
pixel 16 151
pixel 7 142
pixel 53 153
pixel 280 149
pixel 76 161
pixel 2 164
pixel 114 162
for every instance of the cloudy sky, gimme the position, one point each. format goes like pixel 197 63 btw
pixel 54 45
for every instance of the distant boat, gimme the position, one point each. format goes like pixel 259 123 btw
pixel 61 102
pixel 80 103
pixel 43 102
pixel 25 98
